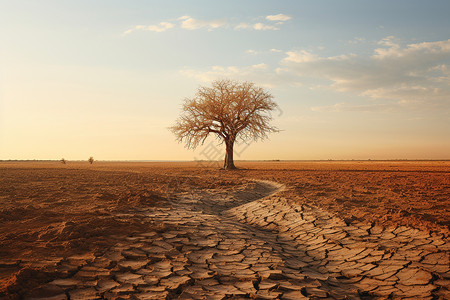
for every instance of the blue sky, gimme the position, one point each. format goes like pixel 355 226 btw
pixel 353 79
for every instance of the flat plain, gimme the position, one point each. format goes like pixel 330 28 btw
pixel 273 229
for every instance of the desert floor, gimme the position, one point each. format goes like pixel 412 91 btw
pixel 270 230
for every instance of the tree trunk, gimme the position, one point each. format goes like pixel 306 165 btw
pixel 229 162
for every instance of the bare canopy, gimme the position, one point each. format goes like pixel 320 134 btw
pixel 229 110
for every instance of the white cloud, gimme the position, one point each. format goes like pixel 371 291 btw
pixel 138 27
pixel 404 77
pixel 219 71
pixel 129 31
pixel 394 50
pixel 261 26
pixel 390 41
pixel 243 26
pixel 162 26
pixel 414 76
pixel 270 51
pixel 300 56
pixel 261 66
pixel 256 26
pixel 191 23
pixel 186 22
pixel 259 73
pixel 279 17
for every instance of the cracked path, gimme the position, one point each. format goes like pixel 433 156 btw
pixel 253 244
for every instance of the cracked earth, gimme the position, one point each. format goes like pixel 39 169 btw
pixel 255 244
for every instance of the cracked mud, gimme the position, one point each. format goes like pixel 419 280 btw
pixel 255 244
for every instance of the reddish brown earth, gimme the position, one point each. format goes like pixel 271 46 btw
pixel 416 194
pixel 50 210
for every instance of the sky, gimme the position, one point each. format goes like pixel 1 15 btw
pixel 353 79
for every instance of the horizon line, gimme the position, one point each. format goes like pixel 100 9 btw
pixel 241 160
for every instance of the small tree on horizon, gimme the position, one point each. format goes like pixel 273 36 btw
pixel 91 160
pixel 228 109
pixel 63 161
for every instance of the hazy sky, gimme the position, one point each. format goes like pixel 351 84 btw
pixel 353 79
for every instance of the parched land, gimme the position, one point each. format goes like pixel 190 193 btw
pixel 291 230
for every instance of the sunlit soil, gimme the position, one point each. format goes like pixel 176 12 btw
pixel 50 210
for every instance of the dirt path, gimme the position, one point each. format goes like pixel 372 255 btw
pixel 250 243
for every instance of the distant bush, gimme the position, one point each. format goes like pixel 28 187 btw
pixel 63 161
pixel 91 160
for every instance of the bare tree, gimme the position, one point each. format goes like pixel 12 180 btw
pixel 228 109
pixel 91 160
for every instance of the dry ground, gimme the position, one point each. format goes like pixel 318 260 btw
pixel 50 210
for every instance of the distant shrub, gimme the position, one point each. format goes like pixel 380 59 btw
pixel 63 161
pixel 91 160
